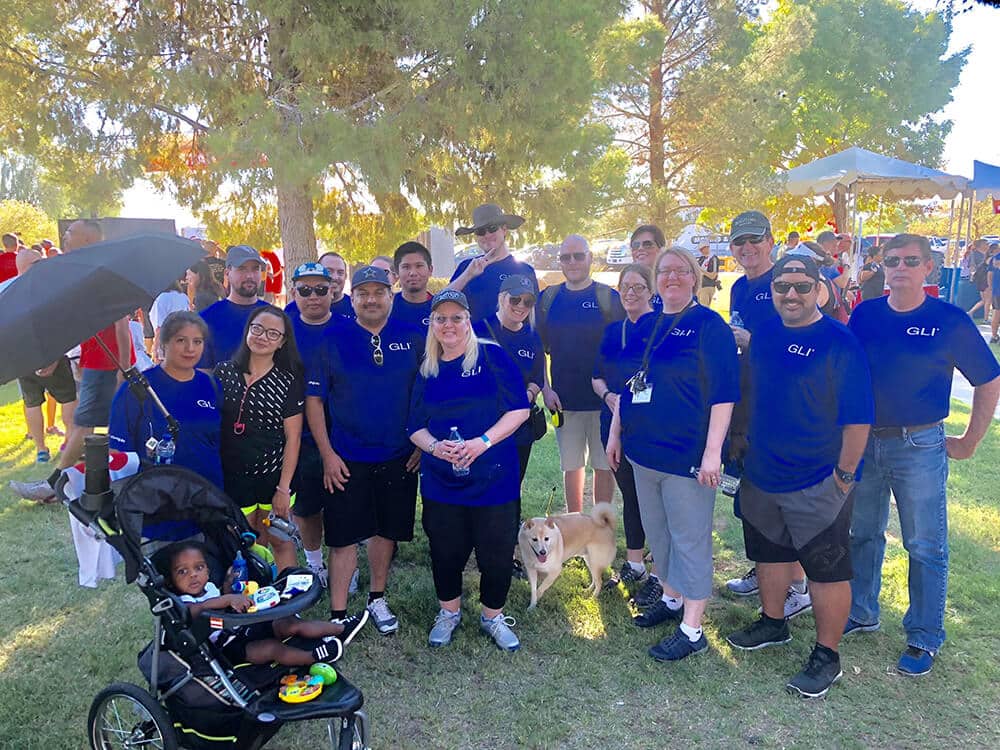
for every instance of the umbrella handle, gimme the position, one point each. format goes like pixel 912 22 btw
pixel 140 386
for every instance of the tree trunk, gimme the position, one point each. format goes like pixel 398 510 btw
pixel 657 133
pixel 295 218
pixel 840 209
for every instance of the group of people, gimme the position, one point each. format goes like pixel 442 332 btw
pixel 334 409
pixel 980 266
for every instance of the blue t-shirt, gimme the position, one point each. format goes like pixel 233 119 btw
pixel 525 348
pixel 367 404
pixel 195 404
pixel 913 356
pixel 311 342
pixel 482 291
pixel 619 358
pixel 994 266
pixel 341 307
pixel 226 321
pixel 415 313
pixel 571 332
pixel 805 385
pixel 751 298
pixel 473 401
pixel 692 369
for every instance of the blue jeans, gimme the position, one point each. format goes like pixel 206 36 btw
pixel 915 468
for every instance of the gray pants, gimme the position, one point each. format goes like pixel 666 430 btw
pixel 677 518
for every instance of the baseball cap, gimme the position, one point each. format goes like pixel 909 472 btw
pixel 311 269
pixel 449 295
pixel 806 250
pixel 749 223
pixel 370 275
pixel 826 236
pixel 796 264
pixel 517 284
pixel 237 255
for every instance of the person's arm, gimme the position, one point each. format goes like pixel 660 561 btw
pixel 475 268
pixel 710 470
pixel 236 602
pixel 281 501
pixel 505 427
pixel 984 403
pixel 852 448
pixel 427 443
pixel 603 392
pixel 614 447
pixel 123 338
pixel 335 473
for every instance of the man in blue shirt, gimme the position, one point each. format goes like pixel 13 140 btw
pixel 913 343
pixel 413 268
pixel 810 407
pixel 362 385
pixel 340 303
pixel 227 318
pixel 994 274
pixel 571 318
pixel 479 278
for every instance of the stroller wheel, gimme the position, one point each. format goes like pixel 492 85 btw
pixel 126 717
pixel 353 732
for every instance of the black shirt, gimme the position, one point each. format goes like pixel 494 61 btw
pixel 709 264
pixel 875 286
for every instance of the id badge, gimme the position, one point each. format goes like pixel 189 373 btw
pixel 643 396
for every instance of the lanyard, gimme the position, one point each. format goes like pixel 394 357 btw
pixel 239 426
pixel 638 381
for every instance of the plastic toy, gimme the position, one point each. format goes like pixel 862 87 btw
pixel 264 598
pixel 295 689
pixel 324 670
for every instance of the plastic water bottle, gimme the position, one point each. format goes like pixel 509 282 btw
pixel 165 449
pixel 455 437
pixel 285 530
pixel 736 320
pixel 240 574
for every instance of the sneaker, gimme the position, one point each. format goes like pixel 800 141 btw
pixel 678 646
pixel 745 586
pixel 818 675
pixel 352 626
pixel 795 603
pixel 40 491
pixel 760 634
pixel 629 574
pixel 352 587
pixel 444 626
pixel 330 650
pixel 995 339
pixel 499 629
pixel 517 571
pixel 385 620
pixel 650 593
pixel 322 575
pixel 915 661
pixel 856 627
pixel 43 457
pixel 658 614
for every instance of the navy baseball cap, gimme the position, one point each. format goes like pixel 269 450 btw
pixel 796 264
pixel 449 295
pixel 311 269
pixel 370 275
pixel 517 284
pixel 237 255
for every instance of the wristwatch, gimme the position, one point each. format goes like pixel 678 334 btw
pixel 847 477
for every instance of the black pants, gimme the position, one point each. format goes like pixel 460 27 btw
pixel 635 537
pixel 454 531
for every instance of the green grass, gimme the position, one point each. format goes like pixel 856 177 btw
pixel 582 678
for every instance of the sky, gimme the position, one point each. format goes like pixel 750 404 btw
pixel 973 111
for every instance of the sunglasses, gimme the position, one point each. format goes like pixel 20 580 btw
pixel 567 257
pixel 308 291
pixel 488 229
pixel 801 287
pixel 271 334
pixel 440 320
pixel 377 354
pixel 910 261
pixel 645 244
pixel 752 239
pixel 524 300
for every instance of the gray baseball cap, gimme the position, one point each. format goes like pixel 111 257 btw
pixel 752 223
pixel 237 255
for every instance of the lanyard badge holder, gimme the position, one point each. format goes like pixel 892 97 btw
pixel 642 392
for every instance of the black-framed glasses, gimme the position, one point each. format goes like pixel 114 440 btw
pixel 271 334
pixel 635 289
pixel 910 261
pixel 377 354
pixel 567 257
pixel 522 300
pixel 644 244
pixel 801 287
pixel 753 239
pixel 488 229
pixel 308 291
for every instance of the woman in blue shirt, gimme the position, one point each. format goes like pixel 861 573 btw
pixel 671 422
pixel 470 486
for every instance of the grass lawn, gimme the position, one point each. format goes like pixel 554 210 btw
pixel 582 678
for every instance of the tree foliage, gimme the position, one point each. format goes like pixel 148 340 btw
pixel 28 221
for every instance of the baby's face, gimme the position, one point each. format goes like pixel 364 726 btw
pixel 189 572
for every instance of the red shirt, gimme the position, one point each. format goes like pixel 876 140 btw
pixel 93 357
pixel 8 265
pixel 275 281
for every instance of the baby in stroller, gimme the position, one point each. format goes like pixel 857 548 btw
pixel 259 643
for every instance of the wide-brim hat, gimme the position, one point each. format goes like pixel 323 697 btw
pixel 487 214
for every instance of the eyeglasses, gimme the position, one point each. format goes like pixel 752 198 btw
pixel 567 257
pixel 635 289
pixel 440 320
pixel 752 239
pixel 488 229
pixel 911 261
pixel 525 300
pixel 377 354
pixel 674 271
pixel 801 287
pixel 308 291
pixel 645 244
pixel 271 334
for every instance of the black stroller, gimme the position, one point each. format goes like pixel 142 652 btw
pixel 196 699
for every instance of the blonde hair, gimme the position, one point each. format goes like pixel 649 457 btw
pixel 644 271
pixel 530 320
pixel 430 367
pixel 682 254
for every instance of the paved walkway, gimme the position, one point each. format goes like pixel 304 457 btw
pixel 961 388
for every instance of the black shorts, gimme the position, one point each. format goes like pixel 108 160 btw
pixel 307 484
pixel 234 644
pixel 811 526
pixel 379 499
pixel 60 385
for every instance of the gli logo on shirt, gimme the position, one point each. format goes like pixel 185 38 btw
pixel 525 353
pixel 800 350
pixel 921 331
pixel 762 296
pixel 679 332
pixel 473 372
pixel 397 347
pixel 588 305
pixel 205 404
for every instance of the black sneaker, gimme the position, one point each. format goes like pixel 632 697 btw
pixel 818 675
pixel 330 650
pixel 760 634
pixel 657 614
pixel 629 574
pixel 650 593
pixel 352 626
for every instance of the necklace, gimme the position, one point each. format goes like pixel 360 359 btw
pixel 239 426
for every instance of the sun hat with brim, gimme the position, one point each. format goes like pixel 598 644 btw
pixel 487 214
pixel 449 295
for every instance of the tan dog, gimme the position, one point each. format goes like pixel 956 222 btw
pixel 546 543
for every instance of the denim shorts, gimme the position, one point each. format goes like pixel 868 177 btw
pixel 97 389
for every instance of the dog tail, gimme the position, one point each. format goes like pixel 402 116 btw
pixel 604 514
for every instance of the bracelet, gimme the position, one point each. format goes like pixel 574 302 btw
pixel 430 448
pixel 604 398
pixel 486 440
pixel 283 491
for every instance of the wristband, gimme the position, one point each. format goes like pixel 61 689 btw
pixel 486 440
pixel 604 398
pixel 430 448
pixel 282 490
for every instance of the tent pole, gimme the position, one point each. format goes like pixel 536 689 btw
pixel 949 257
pixel 958 232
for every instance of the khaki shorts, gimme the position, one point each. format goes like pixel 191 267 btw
pixel 579 439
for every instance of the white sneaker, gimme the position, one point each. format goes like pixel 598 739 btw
pixel 795 603
pixel 385 620
pixel 40 491
pixel 443 628
pixel 499 629
pixel 322 575
pixel 746 585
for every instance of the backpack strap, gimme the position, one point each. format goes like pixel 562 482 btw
pixel 603 292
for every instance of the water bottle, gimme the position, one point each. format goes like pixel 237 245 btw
pixel 165 449
pixel 455 437
pixel 240 574
pixel 281 528
pixel 736 320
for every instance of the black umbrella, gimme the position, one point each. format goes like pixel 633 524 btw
pixel 62 301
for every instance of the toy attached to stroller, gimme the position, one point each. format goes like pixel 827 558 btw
pixel 196 698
